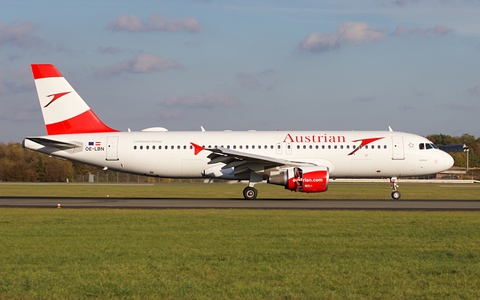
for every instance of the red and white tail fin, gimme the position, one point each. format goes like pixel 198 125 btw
pixel 64 111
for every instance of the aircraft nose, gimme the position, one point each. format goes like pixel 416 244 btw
pixel 447 160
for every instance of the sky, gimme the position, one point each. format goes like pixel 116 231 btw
pixel 413 65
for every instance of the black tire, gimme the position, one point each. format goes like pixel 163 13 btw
pixel 396 195
pixel 250 193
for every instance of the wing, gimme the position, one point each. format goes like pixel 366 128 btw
pixel 243 162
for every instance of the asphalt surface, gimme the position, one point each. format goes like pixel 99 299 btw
pixel 427 205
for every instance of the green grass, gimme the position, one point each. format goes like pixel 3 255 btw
pixel 238 254
pixel 234 191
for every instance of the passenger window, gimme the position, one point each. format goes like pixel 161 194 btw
pixel 141 147
pixel 134 147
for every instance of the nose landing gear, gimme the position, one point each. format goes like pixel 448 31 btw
pixel 393 184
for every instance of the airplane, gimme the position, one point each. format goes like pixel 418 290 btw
pixel 300 161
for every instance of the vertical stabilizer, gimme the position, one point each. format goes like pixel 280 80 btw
pixel 64 111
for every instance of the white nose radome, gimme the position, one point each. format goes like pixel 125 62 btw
pixel 447 160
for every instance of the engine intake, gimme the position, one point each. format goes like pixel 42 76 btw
pixel 302 179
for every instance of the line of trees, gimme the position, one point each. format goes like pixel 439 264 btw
pixel 19 164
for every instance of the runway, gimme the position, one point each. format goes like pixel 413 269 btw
pixel 143 203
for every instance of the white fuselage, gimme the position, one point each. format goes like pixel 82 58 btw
pixel 170 154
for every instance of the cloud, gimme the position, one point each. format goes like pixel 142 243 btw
pixel 109 50
pixel 459 106
pixel 168 114
pixel 475 91
pixel 257 81
pixel 405 107
pixel 204 100
pixel 402 2
pixel 23 113
pixel 435 30
pixel 16 81
pixel 249 81
pixel 365 99
pixel 19 34
pixel 143 63
pixel 155 22
pixel 356 33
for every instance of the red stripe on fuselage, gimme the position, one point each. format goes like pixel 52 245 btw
pixel 87 122
pixel 45 71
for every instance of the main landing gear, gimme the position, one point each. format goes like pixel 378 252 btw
pixel 250 193
pixel 393 184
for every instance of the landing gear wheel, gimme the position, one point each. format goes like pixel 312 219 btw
pixel 396 195
pixel 250 193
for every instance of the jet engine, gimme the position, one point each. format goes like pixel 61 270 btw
pixel 302 179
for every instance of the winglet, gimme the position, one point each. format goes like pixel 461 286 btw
pixel 196 148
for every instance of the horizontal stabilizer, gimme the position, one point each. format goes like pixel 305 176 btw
pixel 54 144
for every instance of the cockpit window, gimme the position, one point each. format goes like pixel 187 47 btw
pixel 423 146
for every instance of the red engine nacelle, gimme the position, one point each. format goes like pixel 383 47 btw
pixel 302 179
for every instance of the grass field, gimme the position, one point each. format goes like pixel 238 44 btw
pixel 436 191
pixel 238 254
